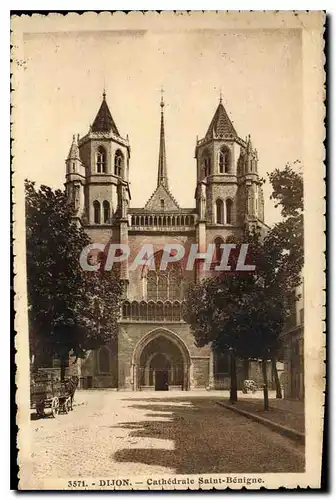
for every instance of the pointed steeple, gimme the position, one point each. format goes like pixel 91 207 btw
pixel 104 121
pixel 221 124
pixel 249 146
pixel 162 166
pixel 74 150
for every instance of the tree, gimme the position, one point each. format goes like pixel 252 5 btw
pixel 246 313
pixel 70 310
pixel 211 321
pixel 288 192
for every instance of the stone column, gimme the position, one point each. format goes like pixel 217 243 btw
pixel 189 372
pixel 134 371
pixel 146 375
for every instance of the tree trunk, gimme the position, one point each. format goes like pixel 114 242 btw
pixel 276 379
pixel 264 371
pixel 233 373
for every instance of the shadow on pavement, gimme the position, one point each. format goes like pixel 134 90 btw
pixel 199 437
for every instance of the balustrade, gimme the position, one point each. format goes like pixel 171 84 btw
pixel 163 221
pixel 152 310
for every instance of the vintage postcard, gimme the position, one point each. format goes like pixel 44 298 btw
pixel 168 173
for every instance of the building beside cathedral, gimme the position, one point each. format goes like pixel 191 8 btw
pixel 155 348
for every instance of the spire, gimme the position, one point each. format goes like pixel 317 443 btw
pixel 74 151
pixel 249 146
pixel 220 124
pixel 162 167
pixel 104 121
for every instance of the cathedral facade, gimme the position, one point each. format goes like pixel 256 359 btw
pixel 155 348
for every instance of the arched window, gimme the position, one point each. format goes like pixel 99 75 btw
pixel 164 284
pixel 96 212
pixel 206 164
pixel 143 311
pixel 224 161
pixel 218 250
pixel 168 311
pixel 151 311
pixel 219 211
pixel 228 210
pixel 118 163
pixel 126 310
pixel 101 160
pixel 104 360
pixel 162 287
pixel 151 285
pixel 159 311
pixel 135 310
pixel 176 311
pixel 106 210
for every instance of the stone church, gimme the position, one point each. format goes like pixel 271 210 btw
pixel 155 348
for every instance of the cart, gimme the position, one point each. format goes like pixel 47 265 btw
pixel 47 393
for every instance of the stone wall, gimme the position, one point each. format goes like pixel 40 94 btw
pixel 199 377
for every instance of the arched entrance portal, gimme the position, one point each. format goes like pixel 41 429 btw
pixel 161 362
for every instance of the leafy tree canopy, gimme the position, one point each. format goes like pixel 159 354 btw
pixel 246 311
pixel 69 309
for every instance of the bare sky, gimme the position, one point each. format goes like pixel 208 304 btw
pixel 259 72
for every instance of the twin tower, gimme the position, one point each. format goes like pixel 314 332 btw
pixel 228 190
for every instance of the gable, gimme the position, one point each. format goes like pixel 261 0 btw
pixel 155 201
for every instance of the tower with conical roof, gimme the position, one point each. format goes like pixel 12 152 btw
pixel 75 178
pixel 228 193
pixel 217 154
pixel 226 168
pixel 104 155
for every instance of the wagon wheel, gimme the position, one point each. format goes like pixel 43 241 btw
pixel 55 407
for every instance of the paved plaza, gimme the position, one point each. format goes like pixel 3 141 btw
pixel 121 434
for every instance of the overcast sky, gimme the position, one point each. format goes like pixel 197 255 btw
pixel 259 73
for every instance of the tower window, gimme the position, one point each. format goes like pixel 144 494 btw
pixel 162 204
pixel 96 212
pixel 206 164
pixel 106 211
pixel 219 211
pixel 118 163
pixel 101 160
pixel 207 170
pixel 224 161
pixel 228 207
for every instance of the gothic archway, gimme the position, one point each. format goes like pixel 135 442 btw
pixel 161 358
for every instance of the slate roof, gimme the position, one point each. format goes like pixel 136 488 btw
pixel 220 124
pixel 104 121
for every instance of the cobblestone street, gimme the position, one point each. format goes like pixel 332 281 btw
pixel 120 434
